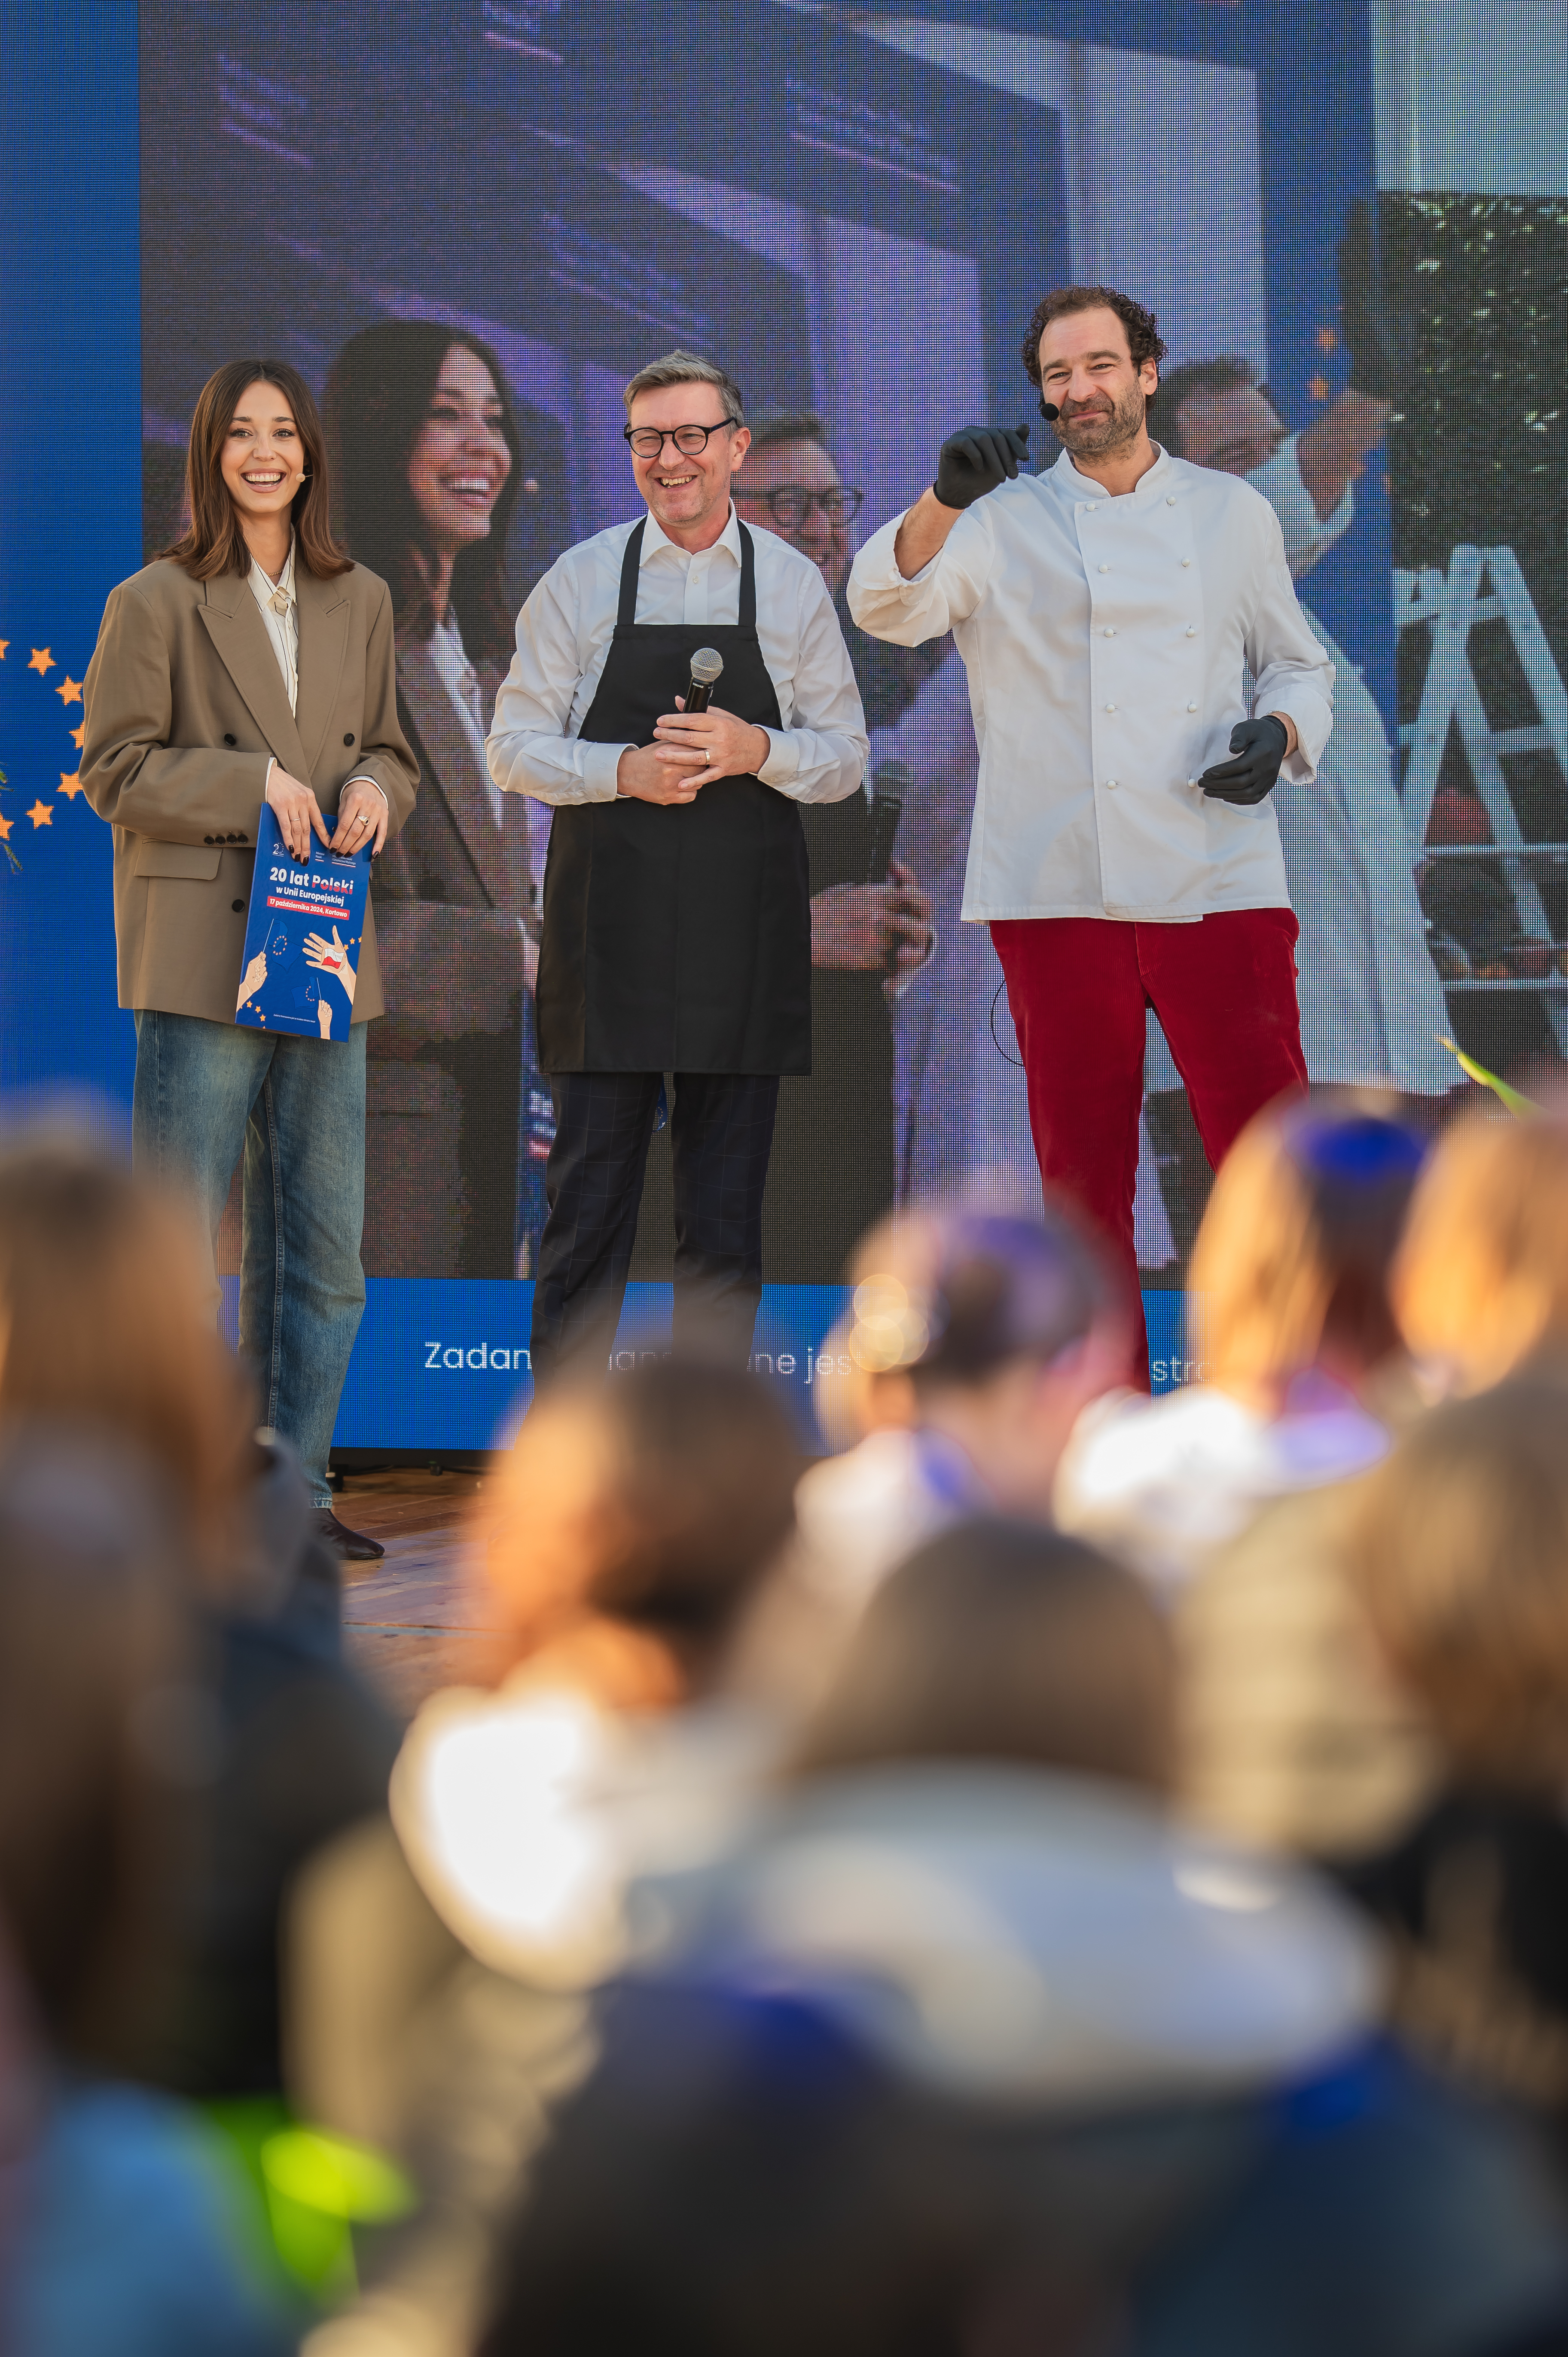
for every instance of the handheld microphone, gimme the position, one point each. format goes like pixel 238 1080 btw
pixel 706 664
pixel 891 784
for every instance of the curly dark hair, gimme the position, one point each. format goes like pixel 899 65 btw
pixel 1144 340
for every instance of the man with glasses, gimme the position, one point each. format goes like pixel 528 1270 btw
pixel 834 1164
pixel 676 923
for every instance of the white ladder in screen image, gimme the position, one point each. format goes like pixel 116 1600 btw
pixel 1487 585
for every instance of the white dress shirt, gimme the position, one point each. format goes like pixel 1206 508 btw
pixel 563 639
pixel 280 612
pixel 1108 643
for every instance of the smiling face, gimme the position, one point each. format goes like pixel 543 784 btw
pixel 684 494
pixel 806 467
pixel 1237 429
pixel 263 454
pixel 459 462
pixel 1086 369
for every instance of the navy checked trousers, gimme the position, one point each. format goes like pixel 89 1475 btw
pixel 721 1133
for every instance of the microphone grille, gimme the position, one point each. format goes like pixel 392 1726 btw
pixel 706 664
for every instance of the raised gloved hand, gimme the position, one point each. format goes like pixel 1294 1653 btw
pixel 1258 747
pixel 977 459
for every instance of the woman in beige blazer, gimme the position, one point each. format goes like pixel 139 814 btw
pixel 250 662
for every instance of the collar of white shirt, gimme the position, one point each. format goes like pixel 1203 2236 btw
pixel 266 589
pixel 653 540
pixel 1075 485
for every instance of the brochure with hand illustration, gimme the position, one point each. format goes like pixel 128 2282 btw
pixel 303 937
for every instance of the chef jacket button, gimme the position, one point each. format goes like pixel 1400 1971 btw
pixel 348 737
pixel 1111 785
pixel 229 739
pixel 1109 634
pixel 1192 707
pixel 1092 505
pixel 1105 568
pixel 1192 629
pixel 1171 501
pixel 1111 707
pixel 1192 782
pixel 1186 560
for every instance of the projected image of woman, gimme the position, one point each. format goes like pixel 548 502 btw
pixel 252 663
pixel 428 465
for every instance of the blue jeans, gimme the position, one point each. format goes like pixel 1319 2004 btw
pixel 296 1107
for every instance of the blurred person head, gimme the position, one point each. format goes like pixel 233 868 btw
pixel 1480 1283
pixel 693 409
pixel 256 450
pixel 1095 355
pixel 427 462
pixel 994 1328
pixel 99 1729
pixel 791 484
pixel 740 2179
pixel 1291 1268
pixel 1460 1556
pixel 105 1324
pixel 1002 1641
pixel 632 1524
pixel 1215 413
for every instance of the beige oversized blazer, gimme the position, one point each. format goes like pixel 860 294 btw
pixel 183 704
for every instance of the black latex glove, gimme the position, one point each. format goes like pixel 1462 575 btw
pixel 1258 747
pixel 1378 334
pixel 977 459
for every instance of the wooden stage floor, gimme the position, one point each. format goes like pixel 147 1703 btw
pixel 417 1619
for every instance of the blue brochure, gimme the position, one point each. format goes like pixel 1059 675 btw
pixel 302 936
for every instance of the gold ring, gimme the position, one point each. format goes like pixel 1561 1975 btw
pixel 707 753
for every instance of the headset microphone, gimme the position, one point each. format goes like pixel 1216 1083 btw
pixel 1049 409
pixel 706 664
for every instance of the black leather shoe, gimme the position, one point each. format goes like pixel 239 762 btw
pixel 353 1546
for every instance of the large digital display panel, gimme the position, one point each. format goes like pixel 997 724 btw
pixel 1365 302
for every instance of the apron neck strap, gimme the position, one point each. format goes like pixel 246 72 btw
pixel 626 612
pixel 631 563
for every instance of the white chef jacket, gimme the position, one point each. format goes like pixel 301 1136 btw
pixel 1106 642
pixel 564 638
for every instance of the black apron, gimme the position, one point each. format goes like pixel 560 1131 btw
pixel 677 937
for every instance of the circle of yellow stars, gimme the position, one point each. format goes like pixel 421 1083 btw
pixel 69 690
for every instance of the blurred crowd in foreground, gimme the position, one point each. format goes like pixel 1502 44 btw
pixel 1058 1873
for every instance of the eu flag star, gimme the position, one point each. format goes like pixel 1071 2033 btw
pixel 70 692
pixel 4 644
pixel 42 660
pixel 6 826
pixel 78 735
pixel 42 814
pixel 70 787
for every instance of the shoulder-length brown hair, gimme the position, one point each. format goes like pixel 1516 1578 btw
pixel 378 397
pixel 212 543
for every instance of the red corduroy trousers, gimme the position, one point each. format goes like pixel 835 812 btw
pixel 1224 990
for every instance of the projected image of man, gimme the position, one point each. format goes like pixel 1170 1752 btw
pixel 1140 674
pixel 835 1166
pixel 677 929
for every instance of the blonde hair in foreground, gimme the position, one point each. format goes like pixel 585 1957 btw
pixel 104 1322
pixel 1290 1263
pixel 1481 1280
pixel 1460 1555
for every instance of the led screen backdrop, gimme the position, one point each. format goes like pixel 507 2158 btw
pixel 1366 301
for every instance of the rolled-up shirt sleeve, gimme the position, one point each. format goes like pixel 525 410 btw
pixel 945 591
pixel 529 749
pixel 821 757
pixel 1291 673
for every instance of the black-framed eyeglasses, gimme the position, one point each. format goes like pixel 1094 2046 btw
pixel 648 442
pixel 791 503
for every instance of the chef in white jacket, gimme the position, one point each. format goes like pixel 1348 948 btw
pixel 1140 675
